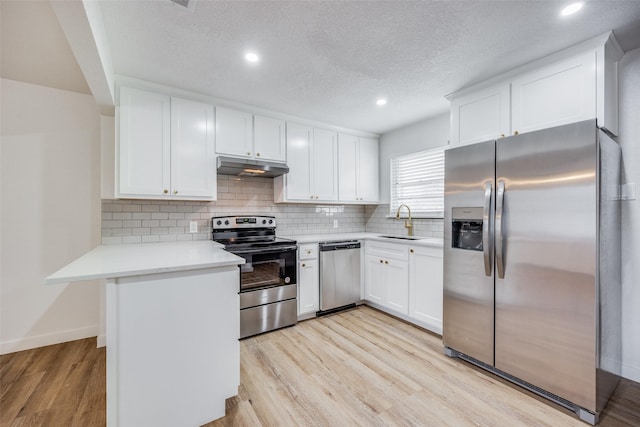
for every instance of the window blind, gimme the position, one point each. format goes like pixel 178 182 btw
pixel 417 180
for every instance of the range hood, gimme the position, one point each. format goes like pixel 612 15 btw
pixel 250 167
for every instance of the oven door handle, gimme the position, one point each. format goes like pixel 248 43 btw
pixel 277 250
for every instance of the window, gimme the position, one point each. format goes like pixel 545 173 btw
pixel 417 180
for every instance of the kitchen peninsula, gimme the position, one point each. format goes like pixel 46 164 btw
pixel 173 356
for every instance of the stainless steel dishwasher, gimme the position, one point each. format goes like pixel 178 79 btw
pixel 339 275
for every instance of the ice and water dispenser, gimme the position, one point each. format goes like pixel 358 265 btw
pixel 466 228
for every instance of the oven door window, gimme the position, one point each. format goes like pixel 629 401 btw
pixel 261 271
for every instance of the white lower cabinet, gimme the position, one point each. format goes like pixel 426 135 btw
pixel 425 286
pixel 308 280
pixel 387 276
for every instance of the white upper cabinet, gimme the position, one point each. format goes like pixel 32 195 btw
pixel 576 84
pixel 481 115
pixel 325 165
pixel 165 148
pixel 241 134
pixel 560 93
pixel 269 138
pixel 234 132
pixel 358 169
pixel 312 157
pixel 193 154
pixel 144 148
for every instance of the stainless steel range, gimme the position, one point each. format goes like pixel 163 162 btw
pixel 268 285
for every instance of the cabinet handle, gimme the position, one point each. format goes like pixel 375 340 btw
pixel 515 132
pixel 411 250
pixel 309 252
pixel 166 191
pixel 316 197
pixel 311 197
pixel 175 191
pixel 304 265
pixel 502 135
pixel 386 262
pixel 258 154
pixel 248 153
pixel 381 261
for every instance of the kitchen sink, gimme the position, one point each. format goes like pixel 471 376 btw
pixel 401 237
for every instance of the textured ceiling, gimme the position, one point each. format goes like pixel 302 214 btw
pixel 34 48
pixel 322 60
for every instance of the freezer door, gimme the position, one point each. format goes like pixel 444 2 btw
pixel 468 250
pixel 546 243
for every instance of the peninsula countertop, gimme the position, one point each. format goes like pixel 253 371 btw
pixel 111 261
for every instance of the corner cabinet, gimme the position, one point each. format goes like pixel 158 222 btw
pixel 312 157
pixel 166 147
pixel 358 169
pixel 576 84
pixel 425 286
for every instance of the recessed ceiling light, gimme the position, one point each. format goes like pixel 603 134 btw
pixel 380 102
pixel 571 9
pixel 252 57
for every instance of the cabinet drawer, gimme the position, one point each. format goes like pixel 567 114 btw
pixel 309 251
pixel 386 251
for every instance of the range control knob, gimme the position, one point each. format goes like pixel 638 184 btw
pixel 264 221
pixel 226 222
pixel 270 221
pixel 219 222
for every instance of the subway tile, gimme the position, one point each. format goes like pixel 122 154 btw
pixel 168 208
pixel 176 215
pixel 162 215
pixel 140 231
pixel 122 215
pixel 168 223
pixel 132 223
pixel 150 239
pixel 111 224
pixel 140 215
pixel 177 230
pixel 131 208
pixel 150 208
pixel 168 238
pixel 159 230
pixel 151 223
pixel 121 232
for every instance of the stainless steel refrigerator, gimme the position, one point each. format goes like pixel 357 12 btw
pixel 532 262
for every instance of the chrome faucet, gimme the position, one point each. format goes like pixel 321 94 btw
pixel 408 224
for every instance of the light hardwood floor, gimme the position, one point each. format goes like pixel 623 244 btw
pixel 359 367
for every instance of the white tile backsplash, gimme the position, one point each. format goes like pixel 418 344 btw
pixel 142 221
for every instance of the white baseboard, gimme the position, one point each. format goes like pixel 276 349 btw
pixel 101 341
pixel 631 372
pixel 28 343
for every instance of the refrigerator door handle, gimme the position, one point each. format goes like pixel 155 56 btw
pixel 499 234
pixel 485 229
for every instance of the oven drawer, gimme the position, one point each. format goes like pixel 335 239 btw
pixel 266 296
pixel 263 318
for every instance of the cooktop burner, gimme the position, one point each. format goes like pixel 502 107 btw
pixel 247 232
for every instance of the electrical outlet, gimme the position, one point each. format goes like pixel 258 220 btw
pixel 335 223
pixel 193 226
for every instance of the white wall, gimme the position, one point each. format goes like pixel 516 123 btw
pixel 50 213
pixel 423 135
pixel 629 139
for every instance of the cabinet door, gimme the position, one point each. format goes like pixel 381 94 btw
pixel 193 163
pixel 234 132
pixel 560 93
pixel 144 154
pixel 347 167
pixel 397 283
pixel 368 170
pixel 481 115
pixel 325 165
pixel 375 276
pixel 308 286
pixel 425 287
pixel 298 180
pixel 269 138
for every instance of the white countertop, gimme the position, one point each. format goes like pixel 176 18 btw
pixel 111 261
pixel 316 238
